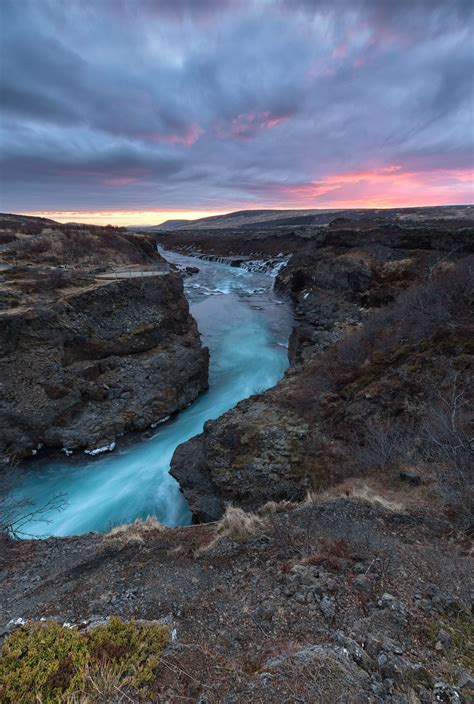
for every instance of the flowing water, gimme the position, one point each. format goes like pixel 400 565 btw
pixel 246 328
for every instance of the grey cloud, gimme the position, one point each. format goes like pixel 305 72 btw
pixel 189 102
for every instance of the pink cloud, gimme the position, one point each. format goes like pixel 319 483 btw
pixel 248 124
pixel 188 136
pixel 390 186
pixel 339 52
pixel 119 181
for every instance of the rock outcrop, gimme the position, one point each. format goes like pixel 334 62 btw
pixel 98 355
pixel 252 454
pixel 119 356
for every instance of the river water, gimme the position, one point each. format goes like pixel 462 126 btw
pixel 246 327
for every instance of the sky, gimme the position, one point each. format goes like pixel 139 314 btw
pixel 136 111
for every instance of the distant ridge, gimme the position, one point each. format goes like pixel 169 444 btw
pixel 168 225
pixel 250 219
pixel 19 218
pixel 264 219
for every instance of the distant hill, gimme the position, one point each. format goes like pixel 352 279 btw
pixel 172 224
pixel 254 219
pixel 167 225
pixel 12 219
pixel 264 219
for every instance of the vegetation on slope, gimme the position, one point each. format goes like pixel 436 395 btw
pixel 54 664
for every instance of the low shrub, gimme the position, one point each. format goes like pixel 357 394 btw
pixel 460 630
pixel 429 316
pixel 52 664
pixel 6 237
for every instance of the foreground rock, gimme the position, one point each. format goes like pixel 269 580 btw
pixel 97 357
pixel 254 453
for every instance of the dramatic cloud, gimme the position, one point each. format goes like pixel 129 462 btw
pixel 144 105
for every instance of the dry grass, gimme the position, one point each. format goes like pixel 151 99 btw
pixel 371 492
pixel 103 685
pixel 276 507
pixel 312 497
pixel 79 246
pixel 135 532
pixel 236 524
pixel 366 494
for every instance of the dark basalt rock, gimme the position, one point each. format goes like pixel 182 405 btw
pixel 117 356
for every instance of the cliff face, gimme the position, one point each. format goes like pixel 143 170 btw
pixel 382 343
pixel 119 356
pixel 90 350
pixel 345 275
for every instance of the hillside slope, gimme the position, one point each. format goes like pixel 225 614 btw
pixel 261 219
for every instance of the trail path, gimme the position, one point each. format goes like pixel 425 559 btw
pixel 132 274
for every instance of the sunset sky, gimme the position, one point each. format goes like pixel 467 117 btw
pixel 136 111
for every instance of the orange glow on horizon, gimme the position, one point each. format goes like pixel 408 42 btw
pixel 387 187
pixel 122 217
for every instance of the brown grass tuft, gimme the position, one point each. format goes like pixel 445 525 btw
pixel 135 532
pixel 311 498
pixel 103 684
pixel 276 507
pixel 359 490
pixel 236 524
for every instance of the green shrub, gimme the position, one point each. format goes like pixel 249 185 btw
pixel 51 664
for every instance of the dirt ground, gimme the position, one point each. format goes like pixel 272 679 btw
pixel 336 599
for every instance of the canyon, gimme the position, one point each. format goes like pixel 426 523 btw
pixel 330 560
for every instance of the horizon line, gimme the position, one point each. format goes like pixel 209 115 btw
pixel 159 216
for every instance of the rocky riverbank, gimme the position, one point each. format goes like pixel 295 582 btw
pixel 105 351
pixel 384 335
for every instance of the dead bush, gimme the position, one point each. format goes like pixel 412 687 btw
pixel 386 443
pixel 330 551
pixel 447 443
pixel 46 281
pixel 7 236
pixel 418 313
pixel 17 513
